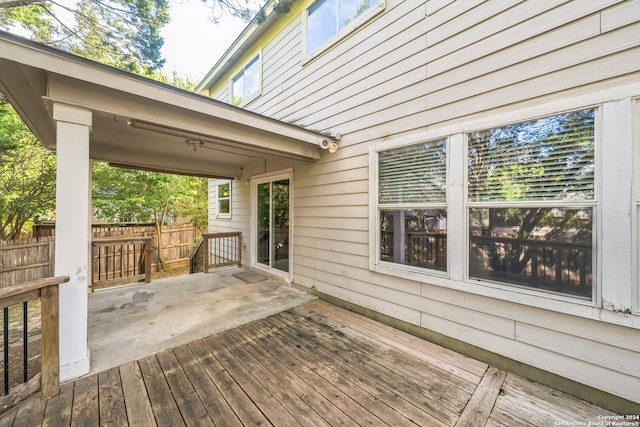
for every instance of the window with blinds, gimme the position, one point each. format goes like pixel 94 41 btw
pixel 413 174
pixel 412 207
pixel 530 204
pixel 546 159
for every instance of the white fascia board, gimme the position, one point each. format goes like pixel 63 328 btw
pixel 69 66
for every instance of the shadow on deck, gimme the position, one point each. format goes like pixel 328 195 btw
pixel 312 365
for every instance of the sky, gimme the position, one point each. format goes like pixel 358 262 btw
pixel 192 42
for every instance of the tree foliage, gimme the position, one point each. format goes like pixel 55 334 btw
pixel 27 175
pixel 121 33
pixel 127 195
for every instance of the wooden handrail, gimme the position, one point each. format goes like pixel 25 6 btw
pixel 145 259
pixel 47 291
pixel 235 258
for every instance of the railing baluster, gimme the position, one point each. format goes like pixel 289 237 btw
pixel 220 249
pixel 6 351
pixel 25 347
pixel 116 265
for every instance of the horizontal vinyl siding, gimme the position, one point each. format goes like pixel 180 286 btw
pixel 443 64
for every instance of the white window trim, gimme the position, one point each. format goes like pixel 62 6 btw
pixel 594 204
pixel 254 181
pixel 635 214
pixel 222 215
pixel 382 266
pixel 341 34
pixel 233 78
pixel 457 240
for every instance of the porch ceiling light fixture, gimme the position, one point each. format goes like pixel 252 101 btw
pixel 202 138
pixel 194 144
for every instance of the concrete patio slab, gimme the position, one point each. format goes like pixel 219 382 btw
pixel 132 322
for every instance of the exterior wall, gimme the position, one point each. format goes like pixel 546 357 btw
pixel 426 69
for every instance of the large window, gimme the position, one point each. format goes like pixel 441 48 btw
pixel 246 84
pixel 325 19
pixel 412 205
pixel 531 203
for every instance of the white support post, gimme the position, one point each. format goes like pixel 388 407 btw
pixel 617 205
pixel 73 235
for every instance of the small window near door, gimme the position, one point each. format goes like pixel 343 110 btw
pixel 223 200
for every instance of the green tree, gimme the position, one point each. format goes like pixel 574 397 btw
pixel 120 33
pixel 127 195
pixel 27 175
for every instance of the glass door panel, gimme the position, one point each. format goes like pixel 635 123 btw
pixel 273 224
pixel 264 215
pixel 280 225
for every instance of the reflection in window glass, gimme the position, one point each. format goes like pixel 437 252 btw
pixel 545 248
pixel 412 199
pixel 415 237
pixel 531 199
pixel 247 83
pixel 326 17
pixel 224 199
pixel 273 224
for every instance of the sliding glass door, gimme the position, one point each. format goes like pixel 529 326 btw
pixel 272 228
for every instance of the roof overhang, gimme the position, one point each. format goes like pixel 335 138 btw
pixel 142 123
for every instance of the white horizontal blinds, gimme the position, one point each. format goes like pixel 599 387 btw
pixel 546 159
pixel 413 174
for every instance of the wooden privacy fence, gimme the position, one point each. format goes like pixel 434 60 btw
pixel 216 250
pixel 177 240
pixel 25 260
pixel 17 387
pixel 117 261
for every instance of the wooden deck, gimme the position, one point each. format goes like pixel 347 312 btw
pixel 314 365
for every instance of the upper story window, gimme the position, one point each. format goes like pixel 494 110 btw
pixel 223 200
pixel 246 84
pixel 326 18
pixel 412 205
pixel 531 202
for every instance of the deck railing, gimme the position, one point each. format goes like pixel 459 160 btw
pixel 121 260
pixel 558 266
pixel 216 250
pixel 46 291
pixel 563 267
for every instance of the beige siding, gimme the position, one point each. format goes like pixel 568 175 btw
pixel 424 66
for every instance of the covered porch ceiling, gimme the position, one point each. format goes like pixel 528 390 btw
pixel 141 123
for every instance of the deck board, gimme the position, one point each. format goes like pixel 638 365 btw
pixel 286 392
pixel 111 398
pixel 84 410
pixel 320 391
pixel 242 406
pixel 314 365
pixel 415 401
pixel 58 411
pixel 214 402
pixel 139 412
pixel 163 403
